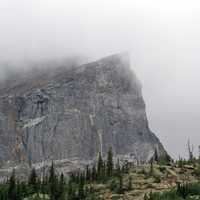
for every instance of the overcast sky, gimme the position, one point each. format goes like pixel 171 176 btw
pixel 162 36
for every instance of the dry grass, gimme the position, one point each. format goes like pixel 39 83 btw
pixel 163 178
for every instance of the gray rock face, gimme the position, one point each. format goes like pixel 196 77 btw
pixel 75 113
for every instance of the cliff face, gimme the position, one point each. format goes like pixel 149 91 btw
pixel 75 113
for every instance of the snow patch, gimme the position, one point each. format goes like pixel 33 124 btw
pixel 34 122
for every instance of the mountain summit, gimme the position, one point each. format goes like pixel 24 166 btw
pixel 76 113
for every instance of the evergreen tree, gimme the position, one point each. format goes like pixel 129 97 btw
pixel 81 193
pixel 44 187
pixel 3 193
pixel 18 190
pixel 22 189
pixel 130 183
pixel 183 190
pixel 33 177
pixel 104 170
pixel 88 174
pixel 146 197
pixel 118 168
pixel 126 167
pixel 32 181
pixel 156 158
pixel 120 188
pixel 94 173
pixel 87 192
pixel 69 190
pixel 109 163
pixel 12 188
pixel 99 166
pixel 151 169
pixel 52 174
pixel 53 184
pixel 62 187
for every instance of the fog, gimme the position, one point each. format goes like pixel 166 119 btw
pixel 163 38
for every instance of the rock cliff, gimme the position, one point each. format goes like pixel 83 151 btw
pixel 75 113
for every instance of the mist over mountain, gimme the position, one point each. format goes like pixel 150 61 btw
pixel 162 37
pixel 75 112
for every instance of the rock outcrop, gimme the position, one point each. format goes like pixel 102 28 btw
pixel 75 113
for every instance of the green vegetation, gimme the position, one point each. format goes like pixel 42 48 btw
pixel 161 179
pixel 79 185
pixel 187 191
pixel 184 190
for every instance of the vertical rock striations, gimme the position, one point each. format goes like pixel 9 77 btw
pixel 76 113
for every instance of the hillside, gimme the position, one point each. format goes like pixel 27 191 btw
pixel 156 181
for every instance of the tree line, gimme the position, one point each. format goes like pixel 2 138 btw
pixel 78 185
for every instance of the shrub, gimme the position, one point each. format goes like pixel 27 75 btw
pixel 113 185
pixel 188 191
pixel 157 178
pixel 197 171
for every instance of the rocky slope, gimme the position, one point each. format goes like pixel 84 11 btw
pixel 75 113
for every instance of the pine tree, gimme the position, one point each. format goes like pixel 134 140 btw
pixel 69 190
pixel 146 197
pixel 126 167
pixel 120 189
pixel 88 173
pixel 87 192
pixel 19 195
pixel 151 169
pixel 12 188
pixel 151 196
pixel 99 166
pixel 82 178
pixel 156 158
pixel 94 173
pixel 118 168
pixel 130 183
pixel 32 181
pixel 52 174
pixel 109 163
pixel 53 183
pixel 81 193
pixel 33 177
pixel 104 170
pixel 61 187
pixel 22 189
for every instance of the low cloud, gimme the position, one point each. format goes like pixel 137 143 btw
pixel 162 37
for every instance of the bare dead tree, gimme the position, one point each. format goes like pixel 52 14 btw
pixel 199 153
pixel 190 150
